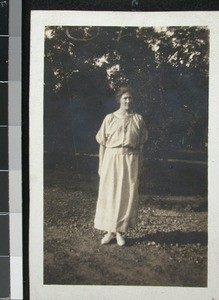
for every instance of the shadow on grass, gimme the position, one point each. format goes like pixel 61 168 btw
pixel 168 238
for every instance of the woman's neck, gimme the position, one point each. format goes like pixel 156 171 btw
pixel 124 112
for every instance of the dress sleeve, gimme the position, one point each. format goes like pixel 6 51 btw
pixel 101 136
pixel 143 133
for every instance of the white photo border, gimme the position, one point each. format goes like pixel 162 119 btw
pixel 40 19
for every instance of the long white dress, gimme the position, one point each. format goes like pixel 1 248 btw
pixel 123 139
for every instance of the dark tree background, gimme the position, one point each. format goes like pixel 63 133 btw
pixel 167 68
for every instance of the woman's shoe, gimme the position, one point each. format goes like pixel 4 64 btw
pixel 120 239
pixel 107 238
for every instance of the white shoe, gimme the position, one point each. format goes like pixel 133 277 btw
pixel 107 238
pixel 120 239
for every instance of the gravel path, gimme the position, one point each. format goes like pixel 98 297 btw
pixel 168 247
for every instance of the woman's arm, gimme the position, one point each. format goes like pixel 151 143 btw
pixel 140 162
pixel 101 155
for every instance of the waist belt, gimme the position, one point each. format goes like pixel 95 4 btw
pixel 123 150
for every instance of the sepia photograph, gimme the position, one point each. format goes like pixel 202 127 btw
pixel 123 153
pixel 137 97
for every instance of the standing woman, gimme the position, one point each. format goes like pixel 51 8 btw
pixel 121 138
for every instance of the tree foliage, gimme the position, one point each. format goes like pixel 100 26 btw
pixel 166 66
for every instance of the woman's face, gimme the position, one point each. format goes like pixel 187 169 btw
pixel 126 101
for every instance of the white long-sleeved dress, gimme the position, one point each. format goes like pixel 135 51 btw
pixel 122 137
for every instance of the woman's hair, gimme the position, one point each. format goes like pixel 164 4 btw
pixel 122 90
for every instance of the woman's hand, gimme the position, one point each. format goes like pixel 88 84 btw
pixel 99 170
pixel 101 155
pixel 140 163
